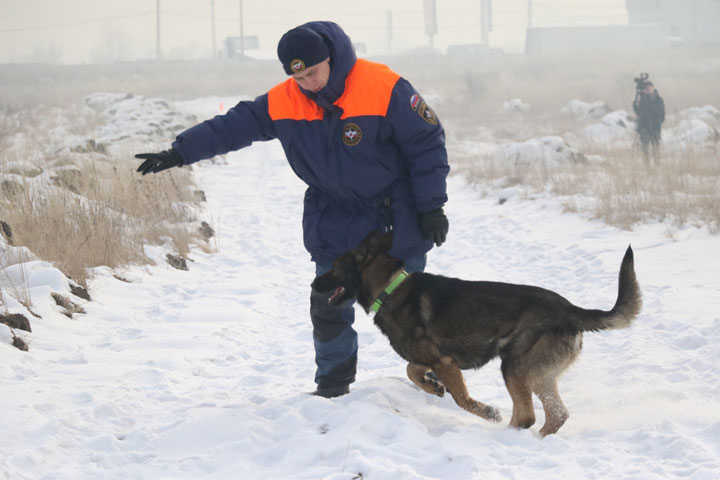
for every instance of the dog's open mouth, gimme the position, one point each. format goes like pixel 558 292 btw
pixel 336 294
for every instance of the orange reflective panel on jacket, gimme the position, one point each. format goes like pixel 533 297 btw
pixel 368 89
pixel 287 102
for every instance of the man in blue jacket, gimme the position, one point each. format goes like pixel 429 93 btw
pixel 371 151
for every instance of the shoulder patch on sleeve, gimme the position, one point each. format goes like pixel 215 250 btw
pixel 419 106
pixel 415 102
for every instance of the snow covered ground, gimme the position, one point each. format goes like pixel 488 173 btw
pixel 204 373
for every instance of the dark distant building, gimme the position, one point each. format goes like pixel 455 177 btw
pixel 686 21
pixel 235 47
pixel 609 38
pixel 652 24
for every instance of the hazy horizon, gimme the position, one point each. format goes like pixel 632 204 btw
pixel 85 31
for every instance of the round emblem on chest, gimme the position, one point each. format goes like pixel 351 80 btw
pixel 352 134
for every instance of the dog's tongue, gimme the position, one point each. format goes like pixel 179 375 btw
pixel 336 293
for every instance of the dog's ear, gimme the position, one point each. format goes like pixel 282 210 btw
pixel 373 245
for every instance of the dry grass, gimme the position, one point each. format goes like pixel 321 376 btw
pixel 681 190
pixel 622 190
pixel 96 214
pixel 89 209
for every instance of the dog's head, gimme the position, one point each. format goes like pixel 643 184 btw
pixel 345 279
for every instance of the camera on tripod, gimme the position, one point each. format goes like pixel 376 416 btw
pixel 641 81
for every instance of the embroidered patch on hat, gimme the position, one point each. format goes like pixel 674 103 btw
pixel 415 102
pixel 297 65
pixel 352 134
pixel 427 114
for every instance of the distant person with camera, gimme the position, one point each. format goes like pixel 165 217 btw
pixel 649 108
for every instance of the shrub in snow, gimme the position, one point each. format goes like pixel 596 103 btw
pixel 11 189
pixel 103 100
pixel 19 343
pixel 582 109
pixel 515 105
pixel 5 235
pixel 693 134
pixel 548 151
pixel 133 116
pixel 89 146
pixel 508 193
pixel 69 307
pixel 23 169
pixel 176 261
pixel 707 113
pixel 206 231
pixel 69 178
pixel 16 320
pixel 614 126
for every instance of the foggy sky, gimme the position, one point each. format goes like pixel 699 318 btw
pixel 88 31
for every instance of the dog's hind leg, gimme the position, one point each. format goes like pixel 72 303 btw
pixel 523 415
pixel 555 411
pixel 425 378
pixel 563 350
pixel 451 375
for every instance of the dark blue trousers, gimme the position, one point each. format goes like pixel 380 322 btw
pixel 336 344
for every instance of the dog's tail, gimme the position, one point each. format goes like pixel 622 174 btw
pixel 627 306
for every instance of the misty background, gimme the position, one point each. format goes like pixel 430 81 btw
pixel 102 31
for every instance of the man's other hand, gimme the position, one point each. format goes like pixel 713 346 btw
pixel 434 225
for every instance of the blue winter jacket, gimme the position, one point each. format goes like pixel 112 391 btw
pixel 369 148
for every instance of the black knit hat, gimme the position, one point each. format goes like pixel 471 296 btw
pixel 301 48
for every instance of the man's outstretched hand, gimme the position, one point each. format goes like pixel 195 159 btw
pixel 157 162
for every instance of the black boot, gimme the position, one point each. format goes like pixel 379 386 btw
pixel 331 392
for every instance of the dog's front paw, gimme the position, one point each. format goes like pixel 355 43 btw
pixel 492 414
pixel 431 379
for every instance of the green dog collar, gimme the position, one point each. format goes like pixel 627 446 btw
pixel 388 290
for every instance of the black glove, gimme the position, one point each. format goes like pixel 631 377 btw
pixel 434 225
pixel 157 162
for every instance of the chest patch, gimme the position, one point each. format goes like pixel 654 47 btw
pixel 351 134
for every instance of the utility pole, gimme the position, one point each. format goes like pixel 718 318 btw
pixel 485 21
pixel 157 44
pixel 430 19
pixel 389 31
pixel 529 14
pixel 242 33
pixel 212 15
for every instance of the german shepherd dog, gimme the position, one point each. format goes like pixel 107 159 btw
pixel 443 325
